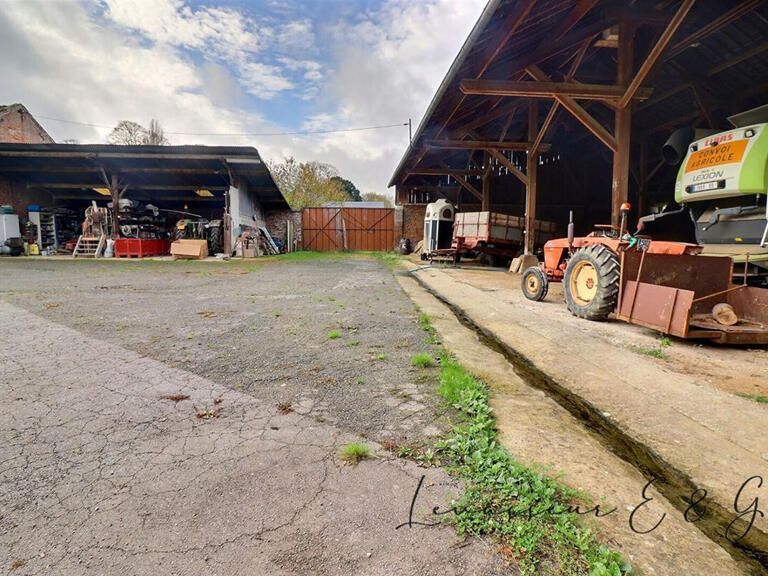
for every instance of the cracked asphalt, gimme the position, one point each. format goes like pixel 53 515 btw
pixel 141 432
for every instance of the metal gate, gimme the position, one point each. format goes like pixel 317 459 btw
pixel 326 229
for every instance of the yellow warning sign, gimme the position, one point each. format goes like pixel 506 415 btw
pixel 726 153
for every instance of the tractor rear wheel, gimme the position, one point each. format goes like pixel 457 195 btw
pixel 535 284
pixel 591 282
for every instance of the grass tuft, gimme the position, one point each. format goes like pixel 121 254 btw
pixel 755 397
pixel 333 334
pixel 658 351
pixel 504 498
pixel 354 452
pixel 422 360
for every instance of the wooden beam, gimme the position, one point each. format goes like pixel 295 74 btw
pixel 486 200
pixel 474 191
pixel 576 14
pixel 537 145
pixel 86 185
pixel 442 172
pixel 95 196
pixel 547 89
pixel 531 188
pixel 655 52
pixel 579 112
pixel 509 166
pixel 741 57
pixel 484 119
pixel 511 23
pixel 663 96
pixel 642 183
pixel 623 123
pixel 121 155
pixel 702 105
pixel 114 192
pixel 507 125
pixel 735 13
pixel 553 111
pixel 476 145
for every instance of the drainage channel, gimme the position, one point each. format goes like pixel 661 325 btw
pixel 676 486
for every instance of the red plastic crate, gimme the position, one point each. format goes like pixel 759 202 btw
pixel 141 247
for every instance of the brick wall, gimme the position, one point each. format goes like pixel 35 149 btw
pixel 6 192
pixel 17 125
pixel 412 223
pixel 19 197
pixel 277 221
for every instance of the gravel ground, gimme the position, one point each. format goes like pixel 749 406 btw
pixel 186 418
pixel 261 327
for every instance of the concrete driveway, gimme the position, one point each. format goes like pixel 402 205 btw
pixel 112 462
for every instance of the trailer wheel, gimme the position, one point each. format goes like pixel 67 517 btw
pixel 591 282
pixel 535 284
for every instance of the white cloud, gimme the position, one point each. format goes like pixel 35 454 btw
pixel 66 60
pixel 387 67
pixel 61 64
pixel 296 35
pixel 263 80
pixel 220 30
pixel 224 34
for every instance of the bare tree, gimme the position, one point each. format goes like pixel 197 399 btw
pixel 134 134
pixel 128 133
pixel 155 135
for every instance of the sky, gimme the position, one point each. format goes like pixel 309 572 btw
pixel 230 72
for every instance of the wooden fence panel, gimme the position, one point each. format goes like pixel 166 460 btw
pixel 371 229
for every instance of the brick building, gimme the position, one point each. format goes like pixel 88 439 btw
pixel 18 126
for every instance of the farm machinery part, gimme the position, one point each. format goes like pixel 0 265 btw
pixel 667 286
pixel 720 193
pixel 201 229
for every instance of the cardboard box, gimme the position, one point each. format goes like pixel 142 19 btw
pixel 193 249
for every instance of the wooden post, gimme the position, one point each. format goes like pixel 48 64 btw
pixel 227 225
pixel 642 190
pixel 530 189
pixel 620 188
pixel 115 193
pixel 486 201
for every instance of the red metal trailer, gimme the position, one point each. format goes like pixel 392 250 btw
pixel 499 235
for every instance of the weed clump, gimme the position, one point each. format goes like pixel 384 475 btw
pixel 355 452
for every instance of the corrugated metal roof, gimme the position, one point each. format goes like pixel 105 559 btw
pixel 77 167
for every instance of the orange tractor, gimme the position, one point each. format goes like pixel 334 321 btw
pixel 667 286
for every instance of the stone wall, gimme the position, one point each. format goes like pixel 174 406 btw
pixel 277 223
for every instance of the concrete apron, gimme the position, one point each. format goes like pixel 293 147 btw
pixel 537 428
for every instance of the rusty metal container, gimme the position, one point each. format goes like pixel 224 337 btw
pixel 675 294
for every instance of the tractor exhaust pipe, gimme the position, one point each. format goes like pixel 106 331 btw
pixel 571 235
pixel 625 208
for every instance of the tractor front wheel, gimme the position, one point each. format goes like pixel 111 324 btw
pixel 591 282
pixel 535 284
